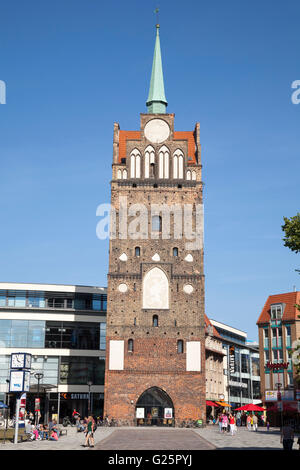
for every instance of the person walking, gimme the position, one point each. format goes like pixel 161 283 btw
pixel 287 437
pixel 238 418
pixel 255 422
pixel 232 424
pixel 249 423
pixel 220 422
pixel 224 423
pixel 89 440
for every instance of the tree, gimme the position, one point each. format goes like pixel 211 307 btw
pixel 291 229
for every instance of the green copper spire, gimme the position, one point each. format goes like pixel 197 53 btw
pixel 156 102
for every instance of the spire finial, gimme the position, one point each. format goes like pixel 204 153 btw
pixel 156 102
pixel 156 11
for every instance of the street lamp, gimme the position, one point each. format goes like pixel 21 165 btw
pixel 89 402
pixel 38 376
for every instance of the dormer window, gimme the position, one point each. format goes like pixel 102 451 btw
pixel 276 312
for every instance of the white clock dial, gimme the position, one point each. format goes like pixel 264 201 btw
pixel 17 360
pixel 157 131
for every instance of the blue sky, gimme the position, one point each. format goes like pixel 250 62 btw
pixel 72 68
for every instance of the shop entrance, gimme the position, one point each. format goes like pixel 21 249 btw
pixel 154 408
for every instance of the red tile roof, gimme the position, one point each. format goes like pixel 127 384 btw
pixel 207 323
pixel 290 312
pixel 123 137
pixel 189 136
pixel 136 135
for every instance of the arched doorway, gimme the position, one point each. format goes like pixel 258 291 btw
pixel 154 408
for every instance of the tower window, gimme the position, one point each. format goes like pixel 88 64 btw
pixel 135 164
pixel 155 320
pixel 130 345
pixel 175 251
pixel 137 251
pixel 180 346
pixel 164 162
pixel 178 164
pixel 156 223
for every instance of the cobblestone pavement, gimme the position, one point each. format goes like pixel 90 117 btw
pixel 154 439
pixel 244 439
pixel 72 441
pixel 126 438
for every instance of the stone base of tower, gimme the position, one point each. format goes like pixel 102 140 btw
pixel 185 391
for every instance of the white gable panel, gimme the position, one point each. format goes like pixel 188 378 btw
pixel 193 356
pixel 116 355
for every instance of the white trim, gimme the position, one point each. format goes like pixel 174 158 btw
pixel 54 352
pixel 41 315
pixel 52 287
pixel 228 328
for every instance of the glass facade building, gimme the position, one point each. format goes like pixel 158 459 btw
pixel 64 329
pixel 241 366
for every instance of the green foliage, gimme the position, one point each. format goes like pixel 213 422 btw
pixel 291 229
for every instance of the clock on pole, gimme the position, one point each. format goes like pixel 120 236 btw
pixel 20 360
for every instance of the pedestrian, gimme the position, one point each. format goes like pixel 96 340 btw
pixel 232 424
pixel 287 437
pixel 249 423
pixel 255 422
pixel 224 423
pixel 238 418
pixel 89 440
pixel 268 426
pixel 220 422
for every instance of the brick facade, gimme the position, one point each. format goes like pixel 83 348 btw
pixel 154 360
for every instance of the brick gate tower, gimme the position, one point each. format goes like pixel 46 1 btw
pixel 155 356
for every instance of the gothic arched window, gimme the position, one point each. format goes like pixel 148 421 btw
pixel 149 160
pixel 178 164
pixel 135 164
pixel 164 156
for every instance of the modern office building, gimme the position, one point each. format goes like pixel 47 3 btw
pixel 63 328
pixel 241 366
pixel 278 327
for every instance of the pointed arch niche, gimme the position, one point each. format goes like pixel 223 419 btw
pixel 155 289
pixel 135 164
pixel 164 156
pixel 149 159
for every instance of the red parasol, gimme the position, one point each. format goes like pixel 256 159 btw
pixel 250 407
pixel 210 403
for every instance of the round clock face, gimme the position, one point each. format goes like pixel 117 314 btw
pixel 157 131
pixel 17 360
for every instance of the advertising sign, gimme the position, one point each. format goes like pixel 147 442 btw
pixel 19 381
pixel 37 405
pixel 232 360
pixel 168 413
pixel 140 413
pixel 271 395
